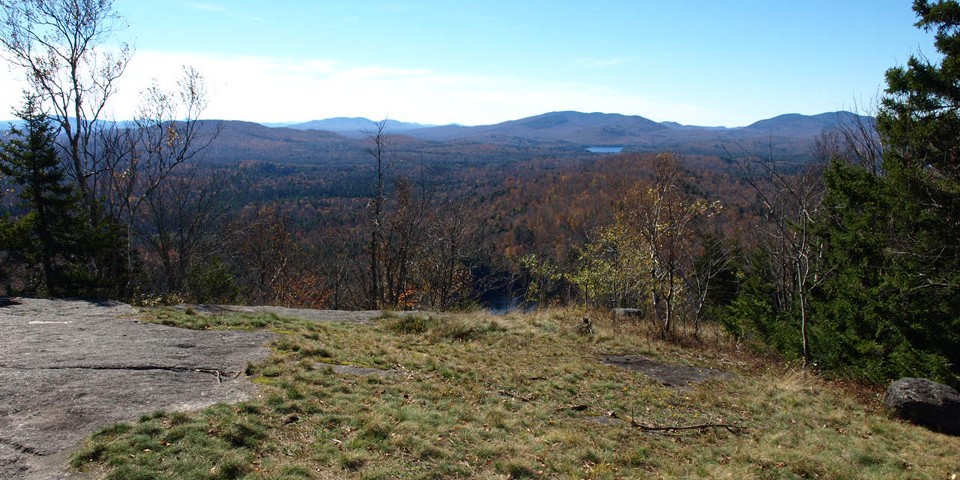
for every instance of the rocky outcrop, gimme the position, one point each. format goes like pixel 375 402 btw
pixel 925 402
pixel 69 368
pixel 668 375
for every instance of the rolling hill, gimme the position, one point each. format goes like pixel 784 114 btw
pixel 788 137
pixel 566 127
pixel 595 129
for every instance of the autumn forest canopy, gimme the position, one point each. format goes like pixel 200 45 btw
pixel 841 250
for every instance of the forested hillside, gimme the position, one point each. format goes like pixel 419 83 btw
pixel 840 248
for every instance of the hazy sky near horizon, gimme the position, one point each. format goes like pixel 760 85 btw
pixel 699 62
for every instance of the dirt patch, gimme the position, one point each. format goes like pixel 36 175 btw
pixel 666 374
pixel 68 368
pixel 607 421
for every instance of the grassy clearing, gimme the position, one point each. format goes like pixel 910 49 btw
pixel 476 396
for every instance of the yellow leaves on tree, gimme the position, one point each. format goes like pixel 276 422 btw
pixel 650 248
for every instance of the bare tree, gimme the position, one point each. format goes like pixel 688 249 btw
pixel 67 52
pixel 790 203
pixel 403 243
pixel 267 249
pixel 342 262
pixel 452 239
pixel 184 220
pixel 663 217
pixel 715 258
pixel 856 141
pixel 137 158
pixel 377 151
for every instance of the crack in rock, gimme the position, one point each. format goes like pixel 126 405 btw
pixel 179 369
pixel 21 448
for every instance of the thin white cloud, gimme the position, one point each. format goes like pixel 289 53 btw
pixel 267 89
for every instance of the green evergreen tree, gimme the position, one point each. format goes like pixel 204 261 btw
pixel 892 307
pixel 47 234
pixel 5 232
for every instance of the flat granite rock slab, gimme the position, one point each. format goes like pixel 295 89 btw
pixel 68 368
pixel 668 375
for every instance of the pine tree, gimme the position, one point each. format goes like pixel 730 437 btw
pixel 893 306
pixel 46 235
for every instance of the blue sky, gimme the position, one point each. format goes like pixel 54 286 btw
pixel 478 62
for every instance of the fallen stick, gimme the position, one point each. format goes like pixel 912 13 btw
pixel 513 395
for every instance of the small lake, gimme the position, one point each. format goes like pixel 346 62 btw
pixel 604 149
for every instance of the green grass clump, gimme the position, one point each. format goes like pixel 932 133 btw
pixel 217 443
pixel 438 328
pixel 409 324
pixel 473 396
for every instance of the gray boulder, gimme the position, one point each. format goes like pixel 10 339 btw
pixel 925 402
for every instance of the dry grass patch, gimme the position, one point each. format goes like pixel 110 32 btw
pixel 478 396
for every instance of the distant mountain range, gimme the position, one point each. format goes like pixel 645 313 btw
pixel 342 140
pixel 787 135
pixel 585 128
